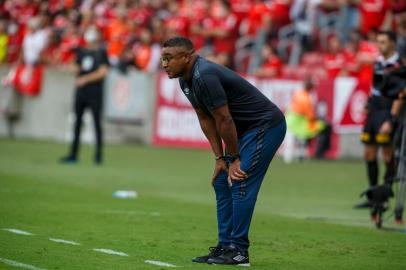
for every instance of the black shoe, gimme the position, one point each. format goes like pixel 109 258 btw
pixel 366 204
pixel 231 256
pixel 214 252
pixel 68 160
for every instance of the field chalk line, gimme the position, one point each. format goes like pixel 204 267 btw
pixel 63 241
pixel 16 231
pixel 20 265
pixel 158 263
pixel 111 252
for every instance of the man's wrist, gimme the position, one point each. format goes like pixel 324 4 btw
pixel 219 158
pixel 234 157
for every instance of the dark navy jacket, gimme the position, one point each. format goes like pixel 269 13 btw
pixel 212 86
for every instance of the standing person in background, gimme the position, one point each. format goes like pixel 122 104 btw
pixel 381 115
pixel 303 123
pixel 91 67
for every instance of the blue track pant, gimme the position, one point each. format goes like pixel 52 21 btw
pixel 235 204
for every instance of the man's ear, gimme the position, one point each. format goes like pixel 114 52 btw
pixel 188 58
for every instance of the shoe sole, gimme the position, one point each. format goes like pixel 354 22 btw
pixel 241 264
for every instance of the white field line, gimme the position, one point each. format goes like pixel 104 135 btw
pixel 20 265
pixel 16 231
pixel 62 241
pixel 110 251
pixel 135 213
pixel 158 263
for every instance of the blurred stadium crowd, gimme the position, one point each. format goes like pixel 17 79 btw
pixel 275 38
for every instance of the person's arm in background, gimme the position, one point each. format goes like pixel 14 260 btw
pixel 96 75
pixel 388 126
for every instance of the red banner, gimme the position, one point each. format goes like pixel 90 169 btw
pixel 28 79
pixel 340 101
pixel 350 97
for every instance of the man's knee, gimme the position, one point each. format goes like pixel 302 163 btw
pixel 387 154
pixel 370 152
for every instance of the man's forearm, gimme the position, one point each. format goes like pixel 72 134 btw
pixel 96 75
pixel 209 129
pixel 228 133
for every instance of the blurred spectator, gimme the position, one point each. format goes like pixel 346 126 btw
pixel 259 17
pixel 3 41
pixel 117 33
pixel 197 13
pixel 221 28
pixel 70 40
pixel 157 28
pixel 303 14
pixel 231 31
pixel 146 52
pixel 349 18
pixel 271 66
pixel 176 24
pixel 360 56
pixel 334 58
pixel 15 40
pixel 373 14
pixel 401 41
pixel 35 41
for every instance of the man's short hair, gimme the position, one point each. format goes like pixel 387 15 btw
pixel 179 42
pixel 390 34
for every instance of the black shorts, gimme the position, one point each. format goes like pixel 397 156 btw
pixel 370 133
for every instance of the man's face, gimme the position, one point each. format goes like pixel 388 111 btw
pixel 174 60
pixel 385 45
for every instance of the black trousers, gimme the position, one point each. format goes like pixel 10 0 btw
pixel 82 102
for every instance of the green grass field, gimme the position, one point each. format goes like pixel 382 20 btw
pixel 304 217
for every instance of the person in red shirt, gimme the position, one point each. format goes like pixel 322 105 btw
pixel 146 53
pixel 373 14
pixel 280 13
pixel 69 41
pixel 197 12
pixel 140 13
pixel 271 64
pixel 176 24
pixel 334 58
pixel 157 28
pixel 117 32
pixel 360 55
pixel 22 10
pixel 221 28
pixel 259 16
pixel 241 8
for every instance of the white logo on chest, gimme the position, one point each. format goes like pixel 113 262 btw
pixel 187 91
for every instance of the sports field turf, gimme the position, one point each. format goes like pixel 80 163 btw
pixel 304 217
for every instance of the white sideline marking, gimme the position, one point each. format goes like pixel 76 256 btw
pixel 130 212
pixel 110 251
pixel 62 241
pixel 16 231
pixel 18 264
pixel 160 263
